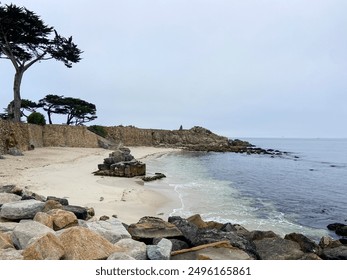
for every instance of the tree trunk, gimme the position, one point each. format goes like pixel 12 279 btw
pixel 16 95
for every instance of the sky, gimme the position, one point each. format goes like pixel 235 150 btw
pixel 241 68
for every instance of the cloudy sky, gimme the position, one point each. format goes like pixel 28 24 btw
pixel 241 68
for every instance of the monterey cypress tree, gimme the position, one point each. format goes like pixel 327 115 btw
pixel 25 39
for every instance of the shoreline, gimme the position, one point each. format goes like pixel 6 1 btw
pixel 67 173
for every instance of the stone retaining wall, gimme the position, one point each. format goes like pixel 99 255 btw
pixel 24 136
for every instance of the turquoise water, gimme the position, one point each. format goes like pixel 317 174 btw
pixel 302 192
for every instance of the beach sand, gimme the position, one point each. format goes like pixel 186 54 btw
pixel 67 173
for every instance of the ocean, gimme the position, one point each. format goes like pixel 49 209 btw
pixel 302 192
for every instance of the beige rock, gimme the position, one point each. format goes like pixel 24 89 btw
pixel 51 204
pixel 153 227
pixel 5 241
pixel 62 219
pixel 11 254
pixel 47 247
pixel 198 221
pixel 83 244
pixel 44 219
pixel 221 250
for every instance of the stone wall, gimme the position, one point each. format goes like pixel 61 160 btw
pixel 24 136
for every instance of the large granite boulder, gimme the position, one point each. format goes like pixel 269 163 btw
pixel 132 248
pixel 5 241
pixel 153 227
pixel 160 251
pixel 84 244
pixel 9 197
pixel 18 210
pixel 47 247
pixel 26 230
pixel 113 230
pixel 11 254
pixel 62 219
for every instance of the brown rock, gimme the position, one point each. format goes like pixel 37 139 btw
pixel 222 250
pixel 47 247
pixel 11 254
pixel 153 227
pixel 198 221
pixel 5 241
pixel 328 242
pixel 44 219
pixel 51 204
pixel 83 244
pixel 62 219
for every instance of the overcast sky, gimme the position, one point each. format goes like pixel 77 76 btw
pixel 241 68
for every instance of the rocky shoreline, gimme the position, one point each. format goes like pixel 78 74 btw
pixel 33 227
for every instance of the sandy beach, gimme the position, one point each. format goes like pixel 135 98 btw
pixel 67 173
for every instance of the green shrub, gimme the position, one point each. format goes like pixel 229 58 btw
pixel 36 118
pixel 98 129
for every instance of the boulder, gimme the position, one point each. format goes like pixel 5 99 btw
pixel 11 254
pixel 336 253
pixel 26 230
pixel 306 244
pixel 342 231
pixel 198 221
pixel 161 251
pixel 205 236
pixel 112 229
pixel 259 235
pixel 11 189
pixel 8 226
pixel 18 210
pixel 120 256
pixel 5 241
pixel 51 204
pixel 188 229
pixel 44 219
pixel 47 247
pixel 84 244
pixel 178 244
pixel 278 249
pixel 80 212
pixel 62 219
pixel 62 201
pixel 221 250
pixel 135 249
pixel 328 242
pixel 153 227
pixel 9 197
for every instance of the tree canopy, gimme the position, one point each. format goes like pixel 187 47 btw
pixel 77 110
pixel 25 39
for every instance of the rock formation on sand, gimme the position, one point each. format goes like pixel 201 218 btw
pixel 33 227
pixel 121 163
